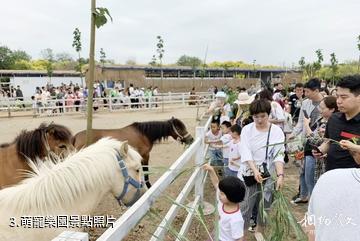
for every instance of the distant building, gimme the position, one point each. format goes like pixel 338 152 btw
pixel 184 78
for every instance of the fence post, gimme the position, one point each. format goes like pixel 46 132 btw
pixel 199 159
pixel 9 111
pixel 110 103
pixel 64 105
pixel 183 99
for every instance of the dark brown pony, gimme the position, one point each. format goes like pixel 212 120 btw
pixel 142 136
pixel 38 143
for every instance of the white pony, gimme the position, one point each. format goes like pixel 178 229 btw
pixel 72 187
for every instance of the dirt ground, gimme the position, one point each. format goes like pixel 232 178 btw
pixel 162 156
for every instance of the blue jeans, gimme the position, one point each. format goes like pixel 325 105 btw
pixel 230 173
pixel 216 157
pixel 226 162
pixel 307 177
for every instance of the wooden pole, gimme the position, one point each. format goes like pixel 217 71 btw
pixel 91 75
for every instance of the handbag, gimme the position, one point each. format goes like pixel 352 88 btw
pixel 249 179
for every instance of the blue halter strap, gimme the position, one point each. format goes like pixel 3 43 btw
pixel 128 180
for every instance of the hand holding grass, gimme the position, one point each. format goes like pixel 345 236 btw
pixel 348 145
pixel 258 176
pixel 279 182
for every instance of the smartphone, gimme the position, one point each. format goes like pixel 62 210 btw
pixel 316 149
pixel 305 114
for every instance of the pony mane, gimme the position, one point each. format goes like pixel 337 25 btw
pixel 55 185
pixel 3 145
pixel 33 144
pixel 154 130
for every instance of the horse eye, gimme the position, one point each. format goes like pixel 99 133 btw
pixel 138 170
pixel 62 147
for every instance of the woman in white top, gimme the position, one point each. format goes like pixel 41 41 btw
pixel 277 115
pixel 219 108
pixel 259 154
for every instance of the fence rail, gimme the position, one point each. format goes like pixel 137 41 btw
pixel 56 107
pixel 135 213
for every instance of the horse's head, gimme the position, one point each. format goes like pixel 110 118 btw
pixel 58 140
pixel 130 174
pixel 179 131
pixel 44 140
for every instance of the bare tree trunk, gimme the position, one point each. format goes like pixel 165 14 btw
pixel 162 87
pixel 80 70
pixel 91 74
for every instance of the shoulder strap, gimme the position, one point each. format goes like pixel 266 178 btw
pixel 267 143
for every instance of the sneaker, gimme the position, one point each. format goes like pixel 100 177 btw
pixel 252 229
pixel 295 197
pixel 298 201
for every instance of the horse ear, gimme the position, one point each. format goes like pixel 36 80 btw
pixel 51 131
pixel 124 148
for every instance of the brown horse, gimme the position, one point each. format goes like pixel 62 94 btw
pixel 38 143
pixel 142 136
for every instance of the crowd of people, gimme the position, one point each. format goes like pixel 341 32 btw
pixel 249 143
pixel 73 97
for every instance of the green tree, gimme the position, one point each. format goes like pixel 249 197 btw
pixel 320 59
pixel 310 70
pixel 302 63
pixel 18 55
pixel 160 50
pixel 63 57
pixel 153 61
pixel 22 65
pixel 189 61
pixel 131 62
pixel 48 55
pixel 6 60
pixel 13 59
pixel 102 56
pixel 78 46
pixel 333 66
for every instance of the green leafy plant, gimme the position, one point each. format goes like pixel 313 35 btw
pixel 282 220
pixel 101 16
pixel 78 46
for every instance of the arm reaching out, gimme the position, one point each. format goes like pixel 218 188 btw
pixel 214 178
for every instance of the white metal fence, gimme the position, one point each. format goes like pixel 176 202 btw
pixel 67 106
pixel 135 213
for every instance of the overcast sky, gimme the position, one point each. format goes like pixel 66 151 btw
pixel 270 31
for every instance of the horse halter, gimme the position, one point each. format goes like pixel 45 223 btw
pixel 182 138
pixel 128 180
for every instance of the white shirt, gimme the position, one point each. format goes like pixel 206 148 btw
pixel 226 139
pixel 224 118
pixel 277 113
pixel 254 145
pixel 213 138
pixel 131 91
pixel 235 152
pixel 334 206
pixel 231 225
pixel 288 125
